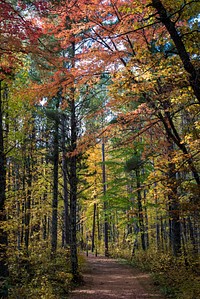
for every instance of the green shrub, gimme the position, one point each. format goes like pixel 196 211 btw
pixel 175 279
pixel 40 275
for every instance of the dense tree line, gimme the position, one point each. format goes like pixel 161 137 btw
pixel 99 137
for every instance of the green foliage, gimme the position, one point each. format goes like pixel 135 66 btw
pixel 134 163
pixel 171 275
pixel 40 275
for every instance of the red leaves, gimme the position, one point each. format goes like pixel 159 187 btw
pixel 19 34
pixel 21 4
pixel 41 6
pixel 16 22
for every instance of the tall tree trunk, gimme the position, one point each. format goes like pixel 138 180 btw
pixel 93 226
pixel 140 210
pixel 146 221
pixel 157 220
pixel 23 206
pixel 174 207
pixel 45 220
pixel 3 233
pixel 27 216
pixel 54 227
pixel 162 233
pixel 73 181
pixel 105 202
pixel 174 137
pixel 98 226
pixel 193 235
pixel 183 54
pixel 65 186
pixel 174 224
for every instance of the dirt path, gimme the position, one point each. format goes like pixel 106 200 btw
pixel 107 279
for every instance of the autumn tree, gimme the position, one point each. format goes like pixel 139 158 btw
pixel 124 73
pixel 144 82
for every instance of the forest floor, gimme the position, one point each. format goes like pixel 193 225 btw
pixel 106 278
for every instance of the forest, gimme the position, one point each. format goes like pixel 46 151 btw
pixel 99 142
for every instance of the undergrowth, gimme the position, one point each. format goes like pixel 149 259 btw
pixel 174 278
pixel 40 275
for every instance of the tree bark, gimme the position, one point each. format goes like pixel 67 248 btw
pixel 93 227
pixel 73 181
pixel 65 185
pixel 54 228
pixel 194 75
pixel 27 216
pixel 3 234
pixel 174 206
pixel 105 202
pixel 140 210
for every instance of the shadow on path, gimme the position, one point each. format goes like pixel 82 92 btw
pixel 106 278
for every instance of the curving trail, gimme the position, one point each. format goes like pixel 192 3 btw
pixel 106 278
